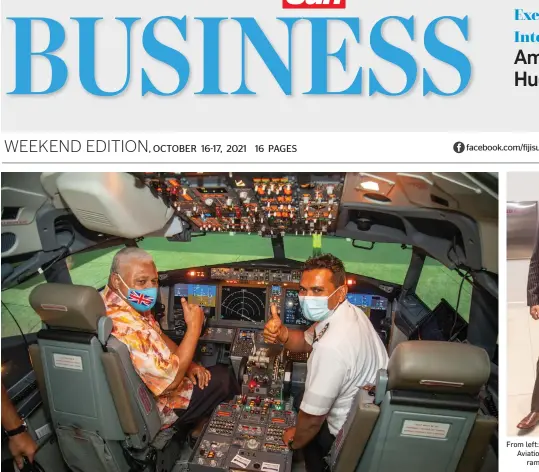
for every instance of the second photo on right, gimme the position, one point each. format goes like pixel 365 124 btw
pixel 523 303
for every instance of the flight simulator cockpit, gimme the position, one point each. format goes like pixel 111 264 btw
pixel 236 300
pixel 442 217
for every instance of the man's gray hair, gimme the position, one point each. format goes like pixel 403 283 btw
pixel 126 255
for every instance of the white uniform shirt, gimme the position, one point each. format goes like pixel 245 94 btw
pixel 347 354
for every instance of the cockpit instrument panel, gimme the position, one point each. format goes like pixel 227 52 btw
pixel 292 310
pixel 368 303
pixel 240 295
pixel 294 316
pixel 269 205
pixel 255 275
pixel 197 294
pixel 243 304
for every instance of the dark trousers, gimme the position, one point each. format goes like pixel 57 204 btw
pixel 317 449
pixel 222 388
pixel 535 396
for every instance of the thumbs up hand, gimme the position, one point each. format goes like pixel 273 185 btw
pixel 275 330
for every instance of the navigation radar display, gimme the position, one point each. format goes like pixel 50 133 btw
pixel 202 295
pixel 243 304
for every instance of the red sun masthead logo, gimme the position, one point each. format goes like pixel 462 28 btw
pixel 327 4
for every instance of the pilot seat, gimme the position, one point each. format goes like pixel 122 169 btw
pixel 104 416
pixel 424 414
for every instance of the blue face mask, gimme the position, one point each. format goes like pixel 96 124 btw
pixel 141 300
pixel 316 308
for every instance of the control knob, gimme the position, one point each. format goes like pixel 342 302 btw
pixel 252 444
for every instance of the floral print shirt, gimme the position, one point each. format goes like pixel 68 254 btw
pixel 151 357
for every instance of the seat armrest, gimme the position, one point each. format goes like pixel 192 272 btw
pixel 37 365
pixel 476 448
pixel 381 386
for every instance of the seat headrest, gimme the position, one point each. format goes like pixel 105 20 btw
pixel 437 366
pixel 66 306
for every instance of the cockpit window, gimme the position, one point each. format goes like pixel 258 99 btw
pixel 385 261
pixel 15 305
pixel 211 249
pixel 437 282
pixel 388 262
pixel 87 268
pixel 91 268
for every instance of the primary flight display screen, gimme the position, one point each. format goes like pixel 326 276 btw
pixel 204 296
pixel 243 304
pixel 368 302
pixel 292 309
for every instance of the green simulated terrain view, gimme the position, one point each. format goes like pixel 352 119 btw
pixel 385 262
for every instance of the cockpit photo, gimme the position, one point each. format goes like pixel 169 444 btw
pixel 250 321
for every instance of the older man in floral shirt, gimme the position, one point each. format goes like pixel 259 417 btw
pixel 184 391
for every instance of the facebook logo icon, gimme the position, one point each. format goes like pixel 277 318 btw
pixel 458 147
